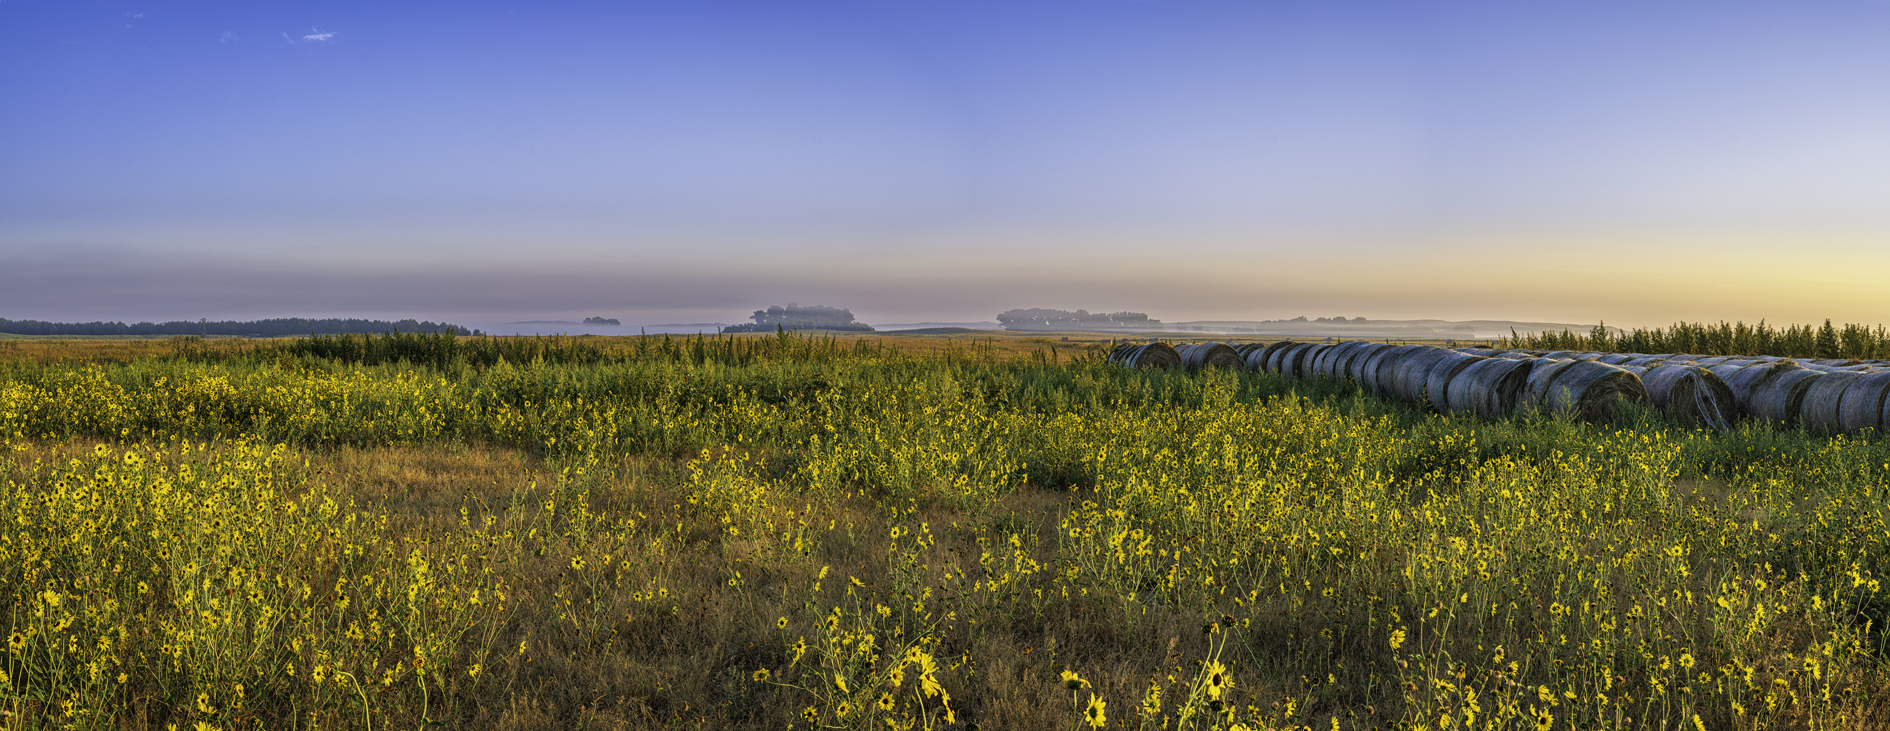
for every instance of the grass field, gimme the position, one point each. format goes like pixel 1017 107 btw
pixel 911 532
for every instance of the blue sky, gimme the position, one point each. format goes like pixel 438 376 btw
pixel 921 160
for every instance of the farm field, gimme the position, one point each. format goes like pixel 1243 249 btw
pixel 898 532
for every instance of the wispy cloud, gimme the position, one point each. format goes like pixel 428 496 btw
pixel 227 37
pixel 318 36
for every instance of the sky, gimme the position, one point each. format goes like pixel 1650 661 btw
pixel 924 160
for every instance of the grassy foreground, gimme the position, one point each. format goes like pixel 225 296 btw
pixel 787 532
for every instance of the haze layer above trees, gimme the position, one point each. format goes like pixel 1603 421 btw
pixel 275 328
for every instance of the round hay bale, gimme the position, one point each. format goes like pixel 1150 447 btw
pixel 1862 405
pixel 1883 418
pixel 1489 388
pixel 1270 358
pixel 1149 355
pixel 1407 382
pixel 1437 381
pixel 1277 362
pixel 1745 380
pixel 1663 383
pixel 1691 393
pixel 1615 358
pixel 1320 358
pixel 1355 365
pixel 1247 349
pixel 1819 411
pixel 1778 399
pixel 1333 365
pixel 1542 372
pixel 1264 358
pixel 1391 370
pixel 1514 355
pixel 1381 372
pixel 1561 354
pixel 1365 369
pixel 1590 390
pixel 1306 359
pixel 1208 355
pixel 1723 369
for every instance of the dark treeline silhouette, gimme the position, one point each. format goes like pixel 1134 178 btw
pixel 1053 320
pixel 275 328
pixel 796 317
pixel 1860 342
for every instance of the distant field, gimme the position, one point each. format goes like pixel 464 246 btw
pixel 895 530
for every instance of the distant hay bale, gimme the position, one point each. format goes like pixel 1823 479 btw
pixel 1862 405
pixel 1488 388
pixel 1615 358
pixel 1779 398
pixel 1691 393
pixel 1208 355
pixel 1561 354
pixel 1819 411
pixel 1437 381
pixel 1591 390
pixel 1150 355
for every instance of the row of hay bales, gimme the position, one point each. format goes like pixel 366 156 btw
pixel 1824 396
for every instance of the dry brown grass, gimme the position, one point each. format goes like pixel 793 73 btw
pixel 689 668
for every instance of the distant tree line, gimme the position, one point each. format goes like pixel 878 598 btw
pixel 275 328
pixel 796 317
pixel 1045 319
pixel 601 321
pixel 1861 342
